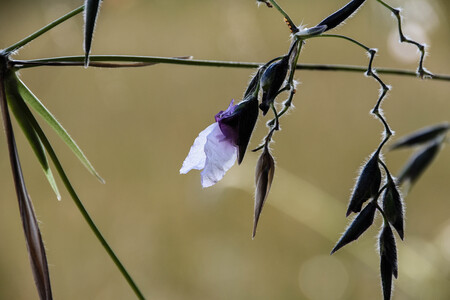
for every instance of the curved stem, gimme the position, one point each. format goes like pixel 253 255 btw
pixel 43 30
pixel 340 37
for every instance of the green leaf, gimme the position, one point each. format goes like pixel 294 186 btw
pixel 92 8
pixel 23 114
pixel 34 102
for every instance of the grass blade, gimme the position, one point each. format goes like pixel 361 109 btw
pixel 34 102
pixel 35 246
pixel 22 115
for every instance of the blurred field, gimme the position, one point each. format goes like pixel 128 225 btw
pixel 180 241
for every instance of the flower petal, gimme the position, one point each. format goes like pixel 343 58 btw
pixel 196 158
pixel 221 155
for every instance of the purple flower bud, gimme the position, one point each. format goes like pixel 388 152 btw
pixel 237 123
pixel 271 81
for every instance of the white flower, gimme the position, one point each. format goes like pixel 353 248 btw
pixel 213 153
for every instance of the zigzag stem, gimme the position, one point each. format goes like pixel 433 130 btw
pixel 421 71
pixel 370 72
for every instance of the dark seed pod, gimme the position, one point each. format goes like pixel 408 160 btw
pixel 271 81
pixel 388 260
pixel 265 170
pixel 367 185
pixel 339 16
pixel 359 225
pixel 393 206
pixel 418 163
pixel 92 8
pixel 421 136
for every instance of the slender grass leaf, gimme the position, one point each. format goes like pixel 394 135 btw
pixel 359 225
pixel 393 206
pixel 91 9
pixel 22 114
pixel 418 163
pixel 421 136
pixel 367 185
pixel 339 16
pixel 265 169
pixel 388 260
pixel 35 246
pixel 34 102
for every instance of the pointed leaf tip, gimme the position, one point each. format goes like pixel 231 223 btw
pixel 358 226
pixel 388 260
pixel 91 9
pixel 367 185
pixel 265 169
pixel 421 136
pixel 418 163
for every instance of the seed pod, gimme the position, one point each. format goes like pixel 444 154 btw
pixel 388 260
pixel 271 81
pixel 359 225
pixel 339 16
pixel 421 136
pixel 367 185
pixel 393 206
pixel 265 170
pixel 418 163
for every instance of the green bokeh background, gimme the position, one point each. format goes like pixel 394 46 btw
pixel 180 241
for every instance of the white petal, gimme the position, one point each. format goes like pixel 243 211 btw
pixel 196 158
pixel 220 157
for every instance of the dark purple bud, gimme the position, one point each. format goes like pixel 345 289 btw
pixel 388 260
pixel 359 225
pixel 237 123
pixel 421 136
pixel 393 206
pixel 338 17
pixel 265 169
pixel 271 81
pixel 418 163
pixel 367 185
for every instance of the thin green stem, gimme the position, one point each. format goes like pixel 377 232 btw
pixel 149 60
pixel 43 30
pixel 340 37
pixel 291 24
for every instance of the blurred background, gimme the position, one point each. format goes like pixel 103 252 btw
pixel 136 126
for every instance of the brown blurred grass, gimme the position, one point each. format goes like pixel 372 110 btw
pixel 136 126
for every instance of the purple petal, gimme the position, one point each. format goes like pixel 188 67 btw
pixel 224 114
pixel 221 155
pixel 196 158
